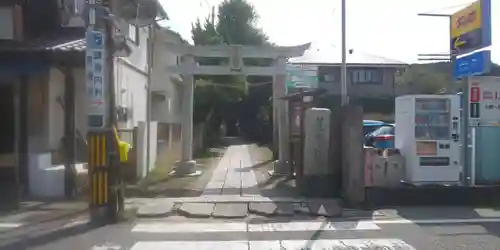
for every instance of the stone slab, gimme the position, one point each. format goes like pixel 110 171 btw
pixel 284 209
pixel 271 208
pixel 324 208
pixel 198 210
pixel 262 208
pixel 230 211
pixel 301 208
pixel 317 186
pixel 159 209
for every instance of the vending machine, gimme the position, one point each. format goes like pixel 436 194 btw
pixel 428 136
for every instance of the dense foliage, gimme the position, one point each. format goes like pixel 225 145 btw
pixel 230 99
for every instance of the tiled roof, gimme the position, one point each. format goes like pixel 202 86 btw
pixel 63 41
pixel 72 45
pixel 330 55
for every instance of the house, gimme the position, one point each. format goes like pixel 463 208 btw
pixel 43 88
pixel 368 76
pixel 167 94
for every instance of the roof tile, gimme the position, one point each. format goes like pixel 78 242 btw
pixel 64 40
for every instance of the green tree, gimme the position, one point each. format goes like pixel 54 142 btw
pixel 427 78
pixel 228 98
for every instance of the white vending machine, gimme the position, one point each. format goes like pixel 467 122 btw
pixel 428 136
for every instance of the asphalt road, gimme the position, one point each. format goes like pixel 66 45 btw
pixel 181 233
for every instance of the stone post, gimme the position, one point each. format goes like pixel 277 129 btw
pixel 352 154
pixel 282 165
pixel 186 166
pixel 318 179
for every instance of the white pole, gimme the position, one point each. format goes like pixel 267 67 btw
pixel 92 13
pixel 473 158
pixel 343 70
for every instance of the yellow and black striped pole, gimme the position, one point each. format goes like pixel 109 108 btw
pixel 98 168
pixel 105 179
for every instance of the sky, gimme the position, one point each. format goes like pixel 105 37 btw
pixel 389 28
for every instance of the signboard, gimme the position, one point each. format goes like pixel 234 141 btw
pixel 473 64
pixel 484 100
pixel 95 77
pixel 471 28
pixel 301 76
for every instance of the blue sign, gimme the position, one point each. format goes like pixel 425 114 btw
pixel 96 80
pixel 474 64
pixel 95 39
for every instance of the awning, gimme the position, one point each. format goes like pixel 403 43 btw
pixel 20 66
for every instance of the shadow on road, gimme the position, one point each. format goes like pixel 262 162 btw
pixel 41 236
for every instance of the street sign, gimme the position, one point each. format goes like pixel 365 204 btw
pixel 95 77
pixel 471 28
pixel 299 76
pixel 484 100
pixel 473 64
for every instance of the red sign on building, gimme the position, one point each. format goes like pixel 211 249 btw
pixel 475 94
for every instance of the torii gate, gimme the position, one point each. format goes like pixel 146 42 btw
pixel 235 53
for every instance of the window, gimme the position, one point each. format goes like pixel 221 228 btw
pixel 432 118
pixel 72 6
pixel 366 76
pixel 329 77
pixel 328 74
pixel 8 26
pixel 384 130
pixel 133 34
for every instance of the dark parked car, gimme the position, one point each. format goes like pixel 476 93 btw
pixel 371 125
pixel 383 137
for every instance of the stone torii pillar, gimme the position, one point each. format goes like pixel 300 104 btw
pixel 235 54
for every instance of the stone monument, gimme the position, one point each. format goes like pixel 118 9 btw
pixel 318 179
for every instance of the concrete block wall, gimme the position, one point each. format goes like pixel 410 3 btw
pixel 142 168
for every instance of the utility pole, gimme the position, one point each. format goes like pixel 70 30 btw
pixel 105 178
pixel 344 98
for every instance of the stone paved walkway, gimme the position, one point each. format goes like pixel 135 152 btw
pixel 233 192
pixel 234 174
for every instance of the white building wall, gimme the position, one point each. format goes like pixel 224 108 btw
pixel 131 76
pixel 131 89
pixel 168 108
pixel 131 79
pixel 139 56
pixel 55 110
